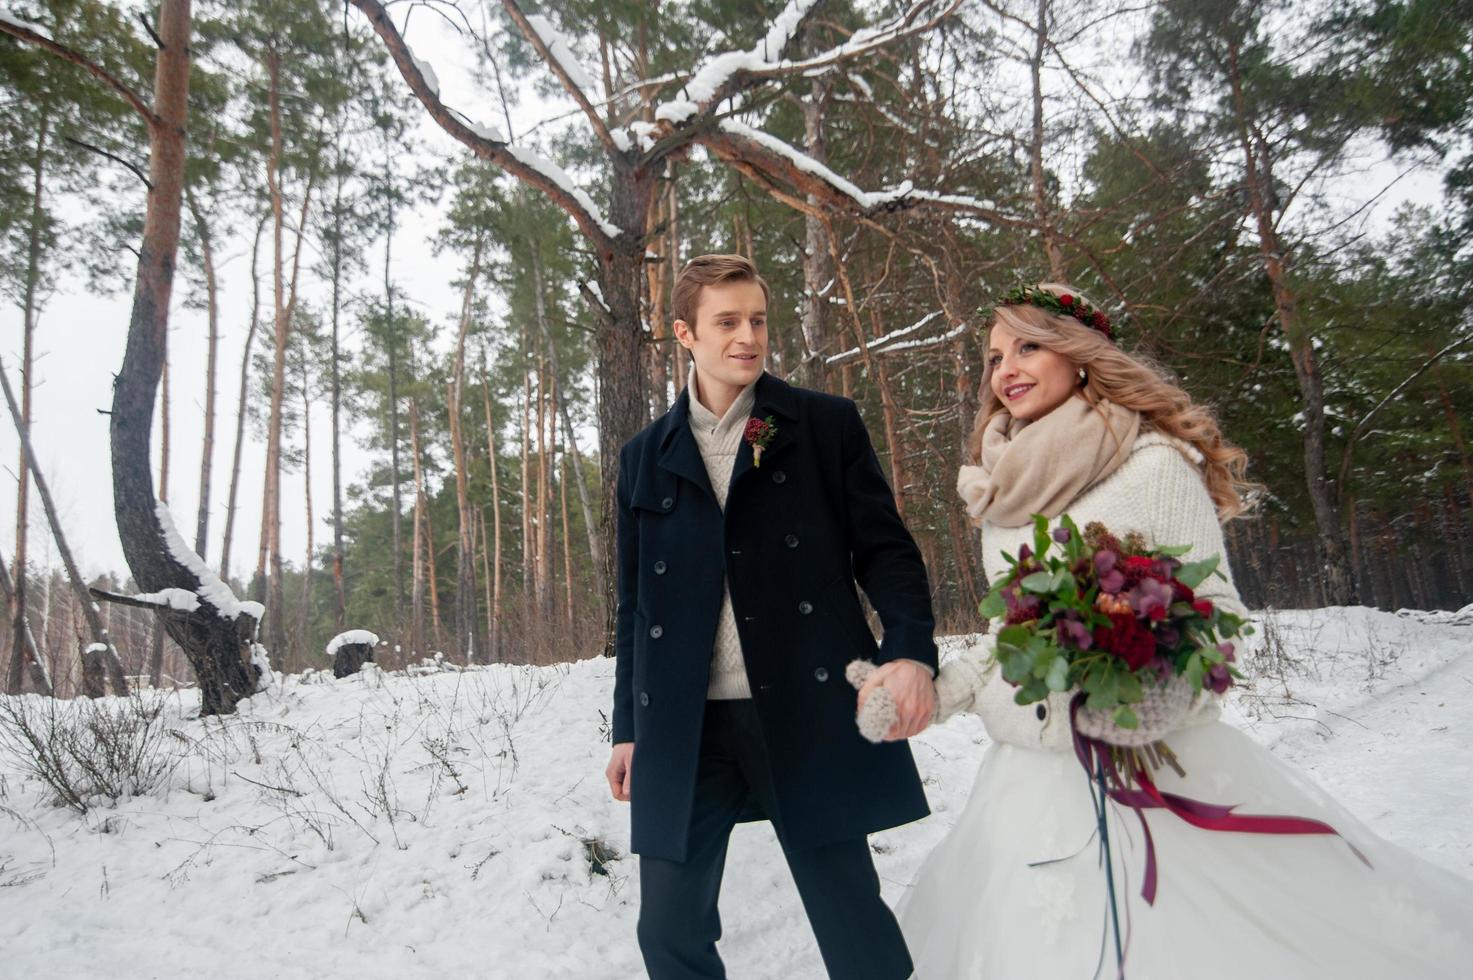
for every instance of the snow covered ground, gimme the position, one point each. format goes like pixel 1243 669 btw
pixel 443 820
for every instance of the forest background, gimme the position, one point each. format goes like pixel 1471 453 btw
pixel 425 254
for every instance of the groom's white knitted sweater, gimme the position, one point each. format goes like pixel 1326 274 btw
pixel 719 440
pixel 1157 491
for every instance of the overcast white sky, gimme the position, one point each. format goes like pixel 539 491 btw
pixel 81 337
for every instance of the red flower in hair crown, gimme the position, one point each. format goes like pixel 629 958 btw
pixel 1061 304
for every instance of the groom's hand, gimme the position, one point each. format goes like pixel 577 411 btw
pixel 914 692
pixel 620 765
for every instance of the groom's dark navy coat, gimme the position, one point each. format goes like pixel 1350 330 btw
pixel 798 531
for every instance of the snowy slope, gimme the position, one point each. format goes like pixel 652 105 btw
pixel 394 825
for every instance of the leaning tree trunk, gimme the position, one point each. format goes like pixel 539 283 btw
pixel 89 609
pixel 211 639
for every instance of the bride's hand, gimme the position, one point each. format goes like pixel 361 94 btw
pixel 914 693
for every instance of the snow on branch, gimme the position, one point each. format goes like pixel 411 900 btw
pixel 6 17
pixel 733 140
pixel 211 589
pixel 554 49
pixel 180 599
pixel 724 74
pixel 41 38
pixel 526 165
pixel 895 341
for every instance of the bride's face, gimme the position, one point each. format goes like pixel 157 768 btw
pixel 1028 378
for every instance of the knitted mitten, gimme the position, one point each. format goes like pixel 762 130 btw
pixel 878 714
pixel 1161 712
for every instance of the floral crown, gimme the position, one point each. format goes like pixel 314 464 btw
pixel 1061 304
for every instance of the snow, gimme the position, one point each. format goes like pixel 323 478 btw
pixel 423 67
pixel 784 26
pixel 211 589
pixel 562 53
pixel 892 340
pixel 676 111
pixel 484 131
pixel 97 648
pixel 559 176
pixel 708 79
pixel 25 25
pixel 646 132
pixel 351 638
pixel 180 599
pixel 621 139
pixel 434 821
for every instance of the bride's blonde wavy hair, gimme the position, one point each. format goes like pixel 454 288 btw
pixel 1130 381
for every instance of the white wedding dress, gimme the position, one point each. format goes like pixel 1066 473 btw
pixel 1017 889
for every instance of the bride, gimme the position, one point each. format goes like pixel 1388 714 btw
pixel 1070 423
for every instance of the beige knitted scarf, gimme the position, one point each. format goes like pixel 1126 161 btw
pixel 1039 467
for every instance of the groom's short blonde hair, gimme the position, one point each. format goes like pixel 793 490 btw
pixel 710 270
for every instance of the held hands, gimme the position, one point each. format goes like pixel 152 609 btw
pixel 620 766
pixel 902 689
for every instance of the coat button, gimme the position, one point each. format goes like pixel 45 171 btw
pixel 657 631
pixel 667 503
pixel 805 607
pixel 791 541
pixel 1041 711
pixel 660 568
pixel 644 698
pixel 779 477
pixel 821 674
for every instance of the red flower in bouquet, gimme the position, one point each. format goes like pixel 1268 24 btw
pixel 1127 639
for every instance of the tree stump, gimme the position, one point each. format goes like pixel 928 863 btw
pixel 350 651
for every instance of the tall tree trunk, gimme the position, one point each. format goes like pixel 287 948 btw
pixel 28 655
pixel 207 454
pixel 268 561
pixel 529 545
pixel 818 265
pixel 306 611
pixel 466 619
pixel 493 608
pixel 417 562
pixel 19 616
pixel 393 331
pixel 540 566
pixel 240 411
pixel 1041 207
pixel 1334 568
pixel 567 546
pixel 335 381
pixel 595 545
pixel 212 639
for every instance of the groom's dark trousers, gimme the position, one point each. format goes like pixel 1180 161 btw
pixel 797 533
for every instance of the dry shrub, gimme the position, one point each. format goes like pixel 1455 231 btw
pixel 87 751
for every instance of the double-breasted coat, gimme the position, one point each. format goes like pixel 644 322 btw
pixel 797 533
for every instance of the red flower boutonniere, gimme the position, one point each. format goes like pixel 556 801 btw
pixel 759 433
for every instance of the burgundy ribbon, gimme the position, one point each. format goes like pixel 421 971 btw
pixel 1095 755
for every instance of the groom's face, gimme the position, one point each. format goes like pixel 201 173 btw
pixel 728 341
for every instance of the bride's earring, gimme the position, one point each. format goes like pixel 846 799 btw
pixel 1083 377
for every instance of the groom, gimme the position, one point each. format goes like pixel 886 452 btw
pixel 745 516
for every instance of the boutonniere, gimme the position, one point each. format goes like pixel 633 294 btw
pixel 759 433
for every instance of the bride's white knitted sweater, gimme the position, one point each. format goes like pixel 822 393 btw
pixel 1157 491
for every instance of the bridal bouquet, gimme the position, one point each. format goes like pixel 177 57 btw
pixel 1120 625
pixel 1114 620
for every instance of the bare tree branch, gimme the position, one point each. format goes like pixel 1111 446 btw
pixel 487 144
pixel 535 38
